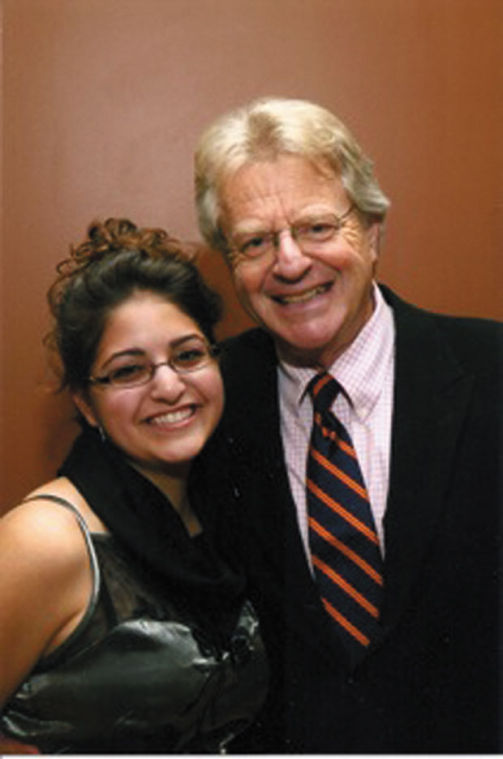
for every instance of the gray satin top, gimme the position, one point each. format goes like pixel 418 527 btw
pixel 136 676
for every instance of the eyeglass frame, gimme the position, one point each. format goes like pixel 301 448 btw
pixel 107 381
pixel 274 235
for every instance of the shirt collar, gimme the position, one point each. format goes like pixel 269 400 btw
pixel 360 370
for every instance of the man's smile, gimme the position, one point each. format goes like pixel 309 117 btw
pixel 303 296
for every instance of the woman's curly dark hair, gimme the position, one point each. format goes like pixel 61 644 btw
pixel 116 260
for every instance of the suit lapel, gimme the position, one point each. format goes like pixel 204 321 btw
pixel 431 396
pixel 256 445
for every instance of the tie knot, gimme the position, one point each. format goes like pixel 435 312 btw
pixel 323 389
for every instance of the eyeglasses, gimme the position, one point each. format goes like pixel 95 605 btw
pixel 190 356
pixel 312 236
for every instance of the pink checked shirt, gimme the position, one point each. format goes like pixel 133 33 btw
pixel 366 373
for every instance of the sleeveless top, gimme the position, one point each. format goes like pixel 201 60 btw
pixel 138 675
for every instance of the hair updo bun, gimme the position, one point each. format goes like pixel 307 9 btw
pixel 115 260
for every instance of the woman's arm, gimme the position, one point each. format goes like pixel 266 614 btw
pixel 45 586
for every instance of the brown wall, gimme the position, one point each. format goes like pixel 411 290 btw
pixel 104 100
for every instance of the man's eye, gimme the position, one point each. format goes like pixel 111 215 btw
pixel 253 244
pixel 127 372
pixel 320 230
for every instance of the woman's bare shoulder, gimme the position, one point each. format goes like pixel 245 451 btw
pixel 45 581
pixel 40 535
pixel 63 488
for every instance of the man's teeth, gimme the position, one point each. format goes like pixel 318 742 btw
pixel 301 297
pixel 173 416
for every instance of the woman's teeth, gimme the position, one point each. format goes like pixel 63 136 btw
pixel 171 417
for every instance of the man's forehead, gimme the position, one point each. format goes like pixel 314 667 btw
pixel 289 185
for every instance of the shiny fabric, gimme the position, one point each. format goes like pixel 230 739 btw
pixel 138 675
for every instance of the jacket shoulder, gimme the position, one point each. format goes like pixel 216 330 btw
pixel 251 353
pixel 255 340
pixel 476 343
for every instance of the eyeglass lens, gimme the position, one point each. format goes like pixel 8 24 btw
pixel 189 356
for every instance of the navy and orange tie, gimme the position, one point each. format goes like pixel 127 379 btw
pixel 344 544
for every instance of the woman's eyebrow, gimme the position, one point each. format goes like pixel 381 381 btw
pixel 120 354
pixel 142 352
pixel 190 336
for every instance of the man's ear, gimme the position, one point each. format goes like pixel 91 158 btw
pixel 374 237
pixel 83 403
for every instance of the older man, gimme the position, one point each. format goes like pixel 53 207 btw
pixel 361 434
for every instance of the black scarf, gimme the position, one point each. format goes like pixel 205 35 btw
pixel 143 521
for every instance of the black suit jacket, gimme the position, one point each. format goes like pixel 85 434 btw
pixel 430 682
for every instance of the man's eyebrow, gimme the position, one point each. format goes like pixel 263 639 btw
pixel 309 212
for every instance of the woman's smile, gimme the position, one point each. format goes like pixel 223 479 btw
pixel 171 418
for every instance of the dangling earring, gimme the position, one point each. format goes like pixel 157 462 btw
pixel 103 437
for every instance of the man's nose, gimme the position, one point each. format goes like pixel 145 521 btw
pixel 290 261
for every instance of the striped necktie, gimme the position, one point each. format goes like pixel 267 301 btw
pixel 344 544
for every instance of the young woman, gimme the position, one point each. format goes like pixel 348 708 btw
pixel 124 626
